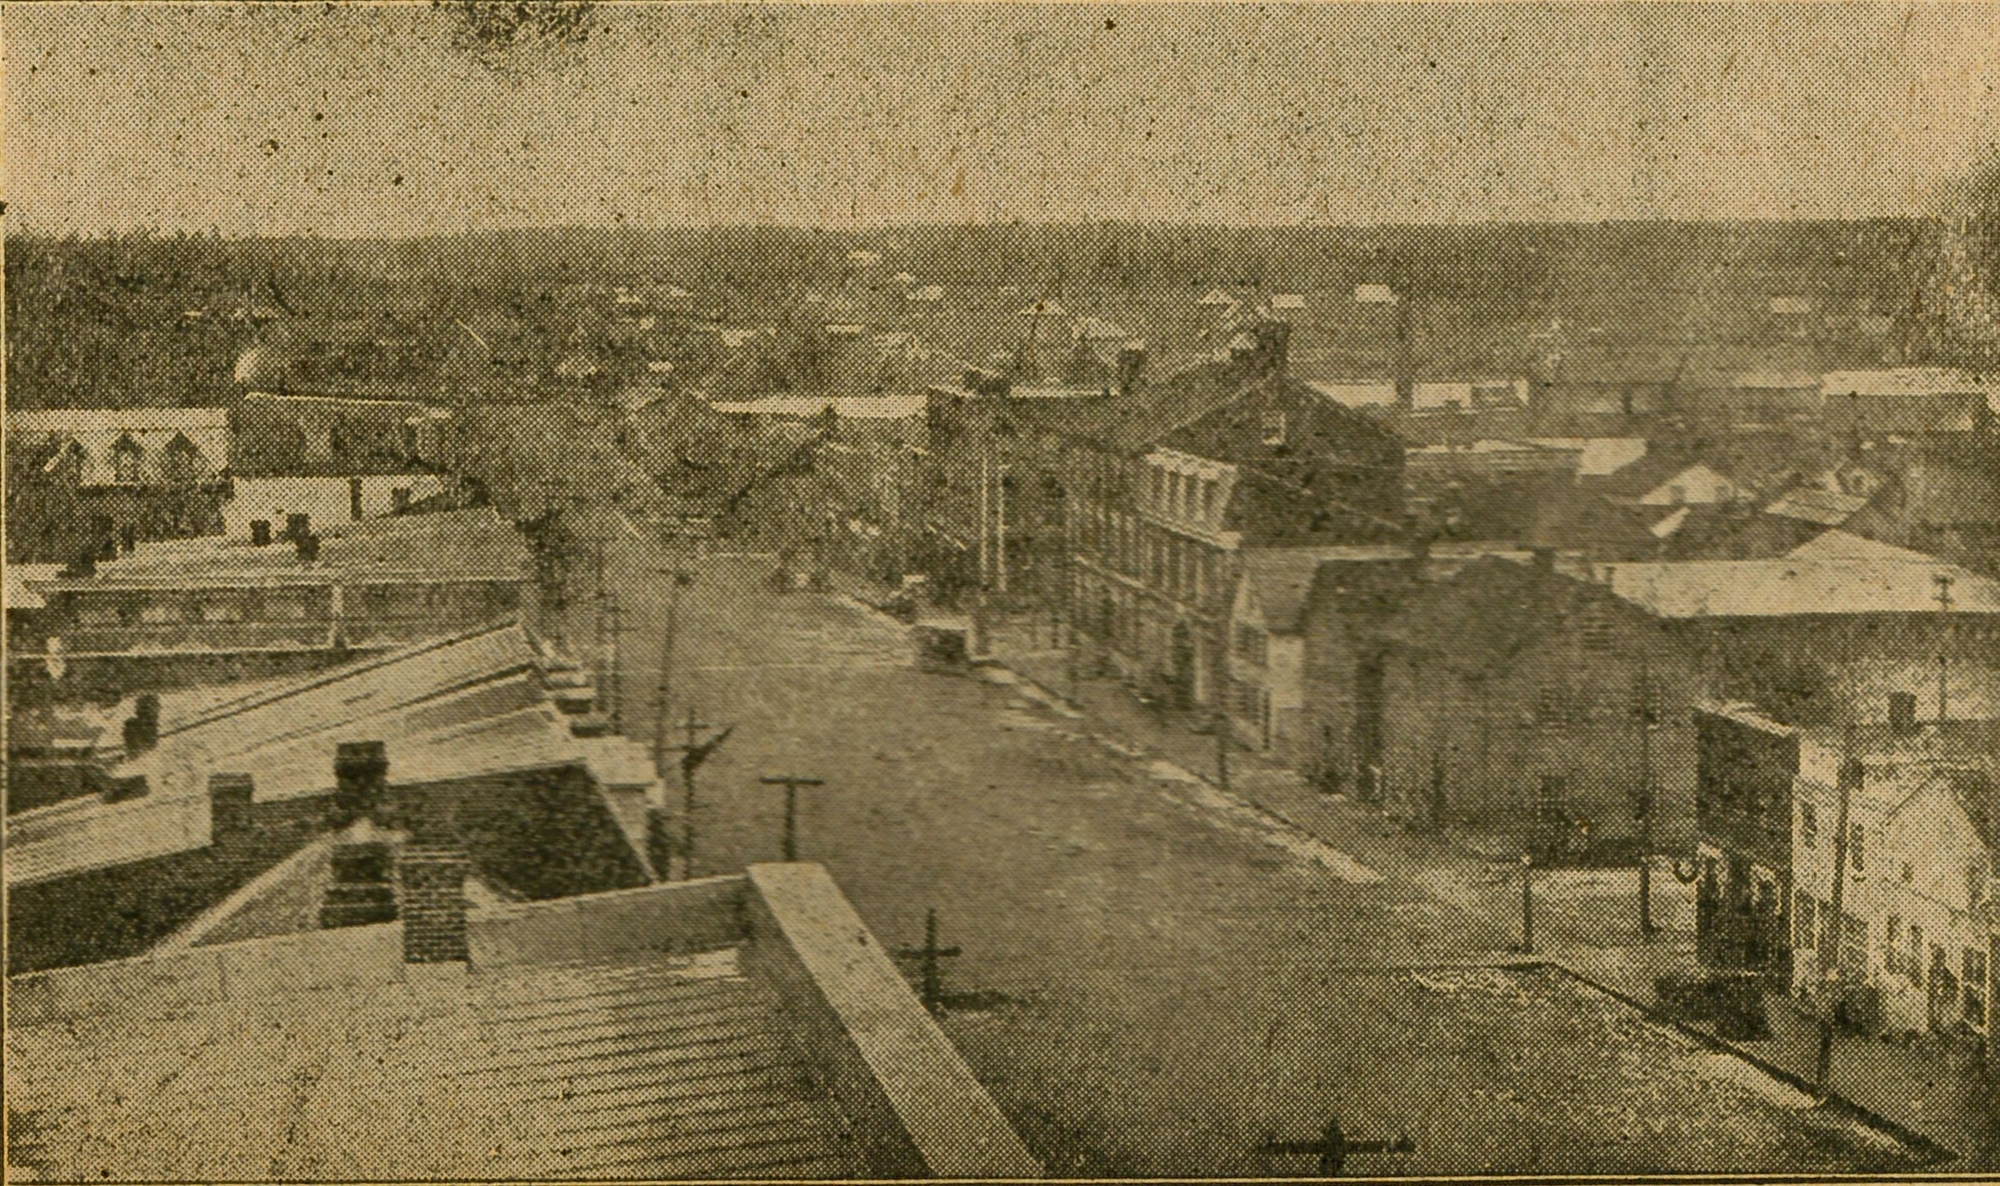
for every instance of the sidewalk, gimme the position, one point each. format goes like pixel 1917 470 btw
pixel 1585 920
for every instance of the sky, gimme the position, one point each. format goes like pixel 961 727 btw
pixel 353 119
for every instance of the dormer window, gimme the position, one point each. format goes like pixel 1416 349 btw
pixel 125 457
pixel 1274 428
pixel 179 463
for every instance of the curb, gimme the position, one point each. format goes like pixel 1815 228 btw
pixel 1935 1152
pixel 1932 1151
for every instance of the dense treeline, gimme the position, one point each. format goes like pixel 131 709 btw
pixel 161 319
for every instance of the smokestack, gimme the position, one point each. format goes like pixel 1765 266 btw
pixel 260 533
pixel 1902 713
pixel 433 905
pixel 360 774
pixel 362 892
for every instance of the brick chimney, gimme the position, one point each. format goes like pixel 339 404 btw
pixel 229 806
pixel 360 776
pixel 433 904
pixel 362 892
pixel 1902 713
pixel 142 728
pixel 260 533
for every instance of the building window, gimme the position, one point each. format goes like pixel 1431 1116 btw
pixel 1857 850
pixel 1808 824
pixel 1892 945
pixel 1975 988
pixel 125 461
pixel 1805 922
pixel 1914 968
pixel 1274 428
pixel 157 613
pixel 1596 627
pixel 1208 499
pixel 1556 706
pixel 1853 947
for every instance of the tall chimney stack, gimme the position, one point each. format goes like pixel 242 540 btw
pixel 142 728
pixel 361 893
pixel 229 805
pixel 360 774
pixel 1902 713
pixel 433 904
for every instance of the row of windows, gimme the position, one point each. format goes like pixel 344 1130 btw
pixel 1903 956
pixel 1183 496
pixel 258 605
pixel 1179 567
pixel 1253 645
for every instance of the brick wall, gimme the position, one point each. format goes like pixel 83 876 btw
pixel 432 903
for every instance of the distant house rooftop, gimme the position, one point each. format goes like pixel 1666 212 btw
pixel 1357 393
pixel 1792 587
pixel 1598 457
pixel 470 544
pixel 1826 508
pixel 846 407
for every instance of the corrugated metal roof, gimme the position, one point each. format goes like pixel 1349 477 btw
pixel 628 1066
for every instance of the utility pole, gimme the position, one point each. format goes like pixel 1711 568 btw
pixel 985 510
pixel 1829 948
pixel 932 990
pixel 1944 583
pixel 1334 1146
pixel 692 756
pixel 615 689
pixel 791 783
pixel 677 579
pixel 1527 904
pixel 1222 727
pixel 1646 801
pixel 1000 527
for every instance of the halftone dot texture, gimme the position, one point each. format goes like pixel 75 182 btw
pixel 637 252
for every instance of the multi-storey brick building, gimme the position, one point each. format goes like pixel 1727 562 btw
pixel 1168 491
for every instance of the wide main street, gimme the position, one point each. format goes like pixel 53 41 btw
pixel 1155 978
